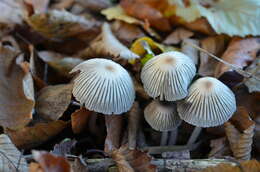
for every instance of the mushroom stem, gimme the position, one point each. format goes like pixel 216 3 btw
pixel 194 135
pixel 114 124
pixel 173 137
pixel 164 138
pixel 133 125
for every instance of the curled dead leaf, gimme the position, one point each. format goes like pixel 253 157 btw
pixel 177 36
pixel 16 89
pixel 53 101
pixel 29 137
pixel 50 162
pixel 240 52
pixel 79 120
pixel 132 160
pixel 11 159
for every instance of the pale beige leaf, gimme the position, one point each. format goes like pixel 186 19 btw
pixel 29 137
pixel 11 159
pixel 16 89
pixel 53 101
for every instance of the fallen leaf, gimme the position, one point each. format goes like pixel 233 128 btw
pixel 178 36
pixel 246 166
pixel 16 87
pixel 11 12
pixel 39 6
pixel 78 165
pixel 126 32
pixel 35 167
pixel 29 137
pixel 52 101
pixel 190 51
pixel 62 4
pixel 60 62
pixel 61 24
pixel 79 120
pixel 64 147
pixel 141 10
pixel 50 162
pixel 107 45
pixel 214 45
pixel 240 52
pixel 200 25
pixel 11 159
pixel 132 160
pixel 253 84
pixel 94 5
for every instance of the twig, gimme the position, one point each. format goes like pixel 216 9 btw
pixel 234 67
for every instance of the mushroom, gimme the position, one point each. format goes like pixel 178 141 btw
pixel 209 103
pixel 107 44
pixel 168 75
pixel 105 87
pixel 162 116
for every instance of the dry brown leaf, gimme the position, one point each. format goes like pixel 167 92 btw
pixel 29 137
pixel 141 10
pixel 177 36
pixel 39 6
pixel 253 84
pixel 79 120
pixel 214 45
pixel 62 64
pixel 11 159
pixel 62 24
pixel 132 160
pixel 246 166
pixel 200 25
pixel 51 163
pixel 16 89
pixel 125 32
pixel 240 134
pixel 53 101
pixel 62 4
pixel 94 5
pixel 240 52
pixel 35 167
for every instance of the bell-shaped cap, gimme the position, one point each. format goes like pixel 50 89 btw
pixel 209 103
pixel 162 116
pixel 168 75
pixel 103 86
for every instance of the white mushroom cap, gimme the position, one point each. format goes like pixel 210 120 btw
pixel 103 86
pixel 168 76
pixel 108 44
pixel 209 103
pixel 162 116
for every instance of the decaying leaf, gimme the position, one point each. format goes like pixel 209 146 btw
pixel 246 166
pixel 11 12
pixel 107 45
pixel 240 52
pixel 29 137
pixel 60 62
pixel 240 132
pixel 253 84
pixel 232 18
pixel 190 51
pixel 200 25
pixel 177 36
pixel 79 120
pixel 11 159
pixel 62 24
pixel 35 167
pixel 78 165
pixel 64 147
pixel 143 11
pixel 38 6
pixel 126 32
pixel 50 162
pixel 214 45
pixel 132 160
pixel 94 5
pixel 53 101
pixel 16 89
